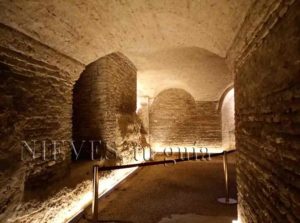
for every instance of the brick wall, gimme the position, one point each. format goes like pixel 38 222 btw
pixel 37 89
pixel 105 104
pixel 105 98
pixel 176 119
pixel 267 93
pixel 35 104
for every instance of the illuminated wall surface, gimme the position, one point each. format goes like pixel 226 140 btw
pixel 147 73
pixel 176 119
pixel 267 104
pixel 228 125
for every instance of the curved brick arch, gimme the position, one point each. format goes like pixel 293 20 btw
pixel 177 119
pixel 172 117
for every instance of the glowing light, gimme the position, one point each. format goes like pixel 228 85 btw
pixel 156 147
pixel 105 185
pixel 235 221
pixel 78 205
pixel 138 104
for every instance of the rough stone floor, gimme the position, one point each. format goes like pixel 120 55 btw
pixel 185 192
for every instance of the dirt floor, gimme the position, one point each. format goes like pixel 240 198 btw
pixel 185 192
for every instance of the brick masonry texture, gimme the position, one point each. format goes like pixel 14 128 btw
pixel 267 87
pixel 39 98
pixel 176 119
pixel 35 104
pixel 262 14
pixel 106 89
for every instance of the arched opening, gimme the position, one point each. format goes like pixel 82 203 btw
pixel 228 121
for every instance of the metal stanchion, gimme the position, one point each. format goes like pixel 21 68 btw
pixel 97 168
pixel 95 193
pixel 227 199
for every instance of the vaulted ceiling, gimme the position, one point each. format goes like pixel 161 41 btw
pixel 201 73
pixel 144 30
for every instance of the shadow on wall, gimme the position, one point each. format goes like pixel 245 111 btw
pixel 81 108
pixel 104 107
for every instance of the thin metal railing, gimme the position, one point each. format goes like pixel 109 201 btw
pixel 97 168
pixel 226 199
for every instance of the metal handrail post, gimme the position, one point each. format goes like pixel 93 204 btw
pixel 97 169
pixel 226 175
pixel 226 199
pixel 95 193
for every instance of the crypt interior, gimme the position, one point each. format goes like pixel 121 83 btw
pixel 107 83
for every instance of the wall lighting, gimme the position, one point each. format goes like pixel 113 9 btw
pixel 105 185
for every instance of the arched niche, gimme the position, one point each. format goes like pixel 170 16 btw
pixel 172 116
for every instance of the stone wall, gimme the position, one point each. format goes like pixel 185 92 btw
pixel 176 119
pixel 35 104
pixel 267 94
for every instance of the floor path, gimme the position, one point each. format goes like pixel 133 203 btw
pixel 185 192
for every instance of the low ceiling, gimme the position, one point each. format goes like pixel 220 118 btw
pixel 141 29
